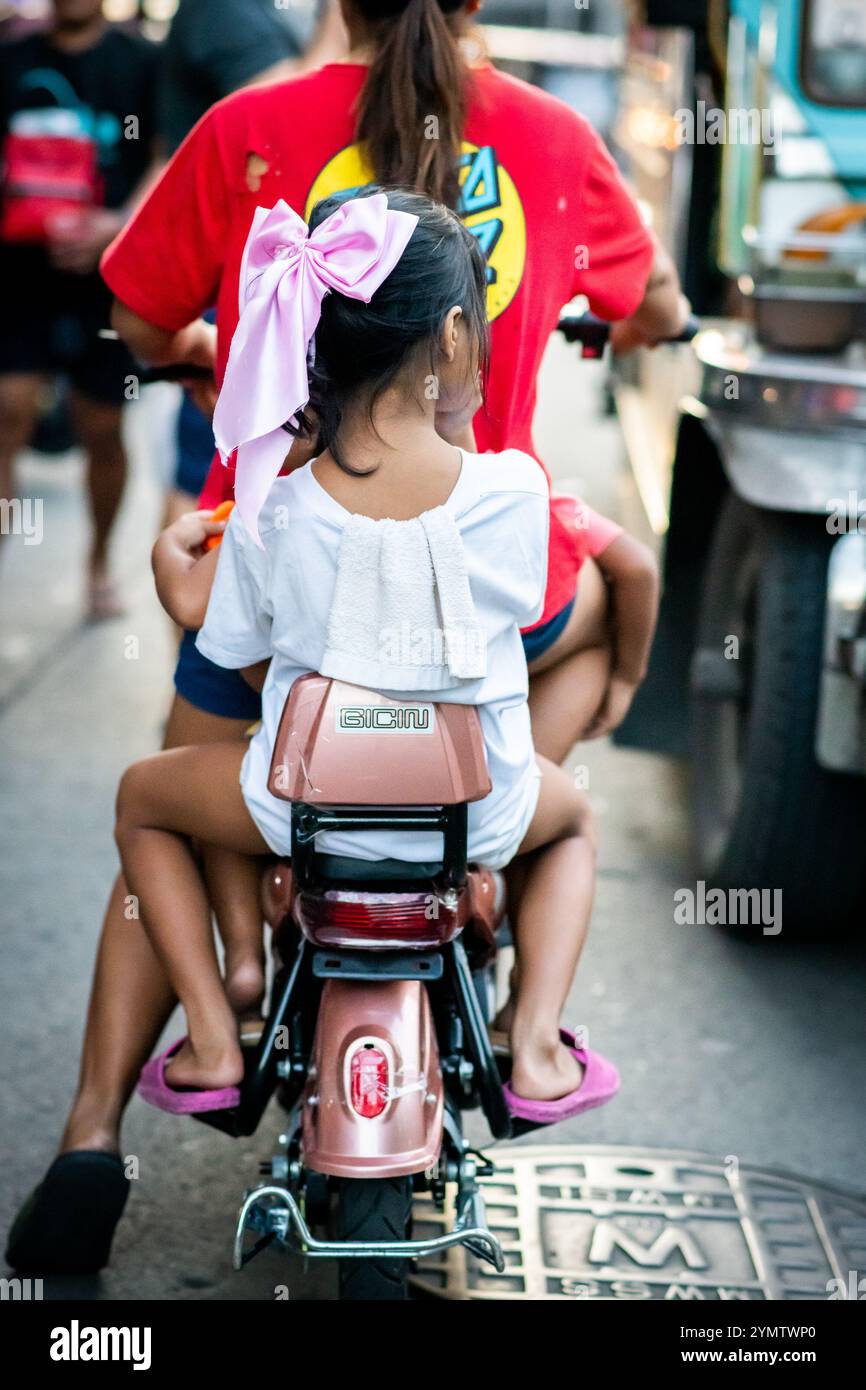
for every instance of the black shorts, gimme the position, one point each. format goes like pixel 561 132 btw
pixel 68 343
pixel 50 324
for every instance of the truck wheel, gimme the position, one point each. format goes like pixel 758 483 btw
pixel 374 1209
pixel 765 814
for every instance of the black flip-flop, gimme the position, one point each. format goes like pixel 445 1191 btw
pixel 67 1223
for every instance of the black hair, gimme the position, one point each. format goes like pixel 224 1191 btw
pixel 362 347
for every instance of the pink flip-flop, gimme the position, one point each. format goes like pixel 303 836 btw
pixel 153 1087
pixel 600 1084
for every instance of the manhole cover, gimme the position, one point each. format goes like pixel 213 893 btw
pixel 614 1223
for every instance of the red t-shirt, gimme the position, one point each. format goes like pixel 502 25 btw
pixel 540 192
pixel 595 532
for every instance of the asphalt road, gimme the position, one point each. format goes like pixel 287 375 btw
pixel 727 1047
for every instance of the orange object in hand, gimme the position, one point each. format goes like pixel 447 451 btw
pixel 222 513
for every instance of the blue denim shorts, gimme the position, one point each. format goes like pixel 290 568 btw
pixel 195 448
pixel 536 642
pixel 212 688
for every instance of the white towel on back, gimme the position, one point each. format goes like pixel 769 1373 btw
pixel 402 616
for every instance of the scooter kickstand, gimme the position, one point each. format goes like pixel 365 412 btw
pixel 483 1247
pixel 272 1221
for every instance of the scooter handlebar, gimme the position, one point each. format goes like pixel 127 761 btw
pixel 173 371
pixel 594 333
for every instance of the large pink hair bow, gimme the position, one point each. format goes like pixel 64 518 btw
pixel 285 274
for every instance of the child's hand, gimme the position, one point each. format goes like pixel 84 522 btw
pixel 184 569
pixel 613 708
pixel 192 530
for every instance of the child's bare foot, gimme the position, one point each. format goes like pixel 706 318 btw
pixel 544 1072
pixel 245 984
pixel 208 1070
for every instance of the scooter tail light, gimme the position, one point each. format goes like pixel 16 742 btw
pixel 383 921
pixel 369 1088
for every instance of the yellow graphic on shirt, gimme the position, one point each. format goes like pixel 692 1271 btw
pixel 489 205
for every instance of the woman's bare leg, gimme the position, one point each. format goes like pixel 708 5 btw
pixel 131 999
pixel 162 803
pixel 557 868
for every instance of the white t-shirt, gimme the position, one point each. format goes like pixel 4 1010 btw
pixel 275 603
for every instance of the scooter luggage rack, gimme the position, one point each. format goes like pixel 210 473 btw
pixel 309 821
pixel 277 1223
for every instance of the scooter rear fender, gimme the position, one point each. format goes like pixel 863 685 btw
pixel 394 1016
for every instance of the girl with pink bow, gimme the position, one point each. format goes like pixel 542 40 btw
pixel 350 334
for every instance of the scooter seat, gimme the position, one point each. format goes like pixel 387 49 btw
pixel 341 868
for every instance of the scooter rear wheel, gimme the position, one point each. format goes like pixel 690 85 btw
pixel 374 1209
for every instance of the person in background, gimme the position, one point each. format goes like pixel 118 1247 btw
pixel 82 82
pixel 255 41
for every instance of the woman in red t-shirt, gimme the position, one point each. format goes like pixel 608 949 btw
pixel 540 192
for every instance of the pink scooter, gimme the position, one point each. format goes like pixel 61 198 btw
pixel 376 1037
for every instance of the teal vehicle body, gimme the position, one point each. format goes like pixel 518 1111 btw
pixel 827 81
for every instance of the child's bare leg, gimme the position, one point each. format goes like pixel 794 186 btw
pixel 566 687
pixel 163 801
pixel 563 700
pixel 551 922
pixel 567 683
pixel 233 886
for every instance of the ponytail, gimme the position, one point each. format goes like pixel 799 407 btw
pixel 412 107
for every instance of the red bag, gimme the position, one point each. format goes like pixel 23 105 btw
pixel 50 170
